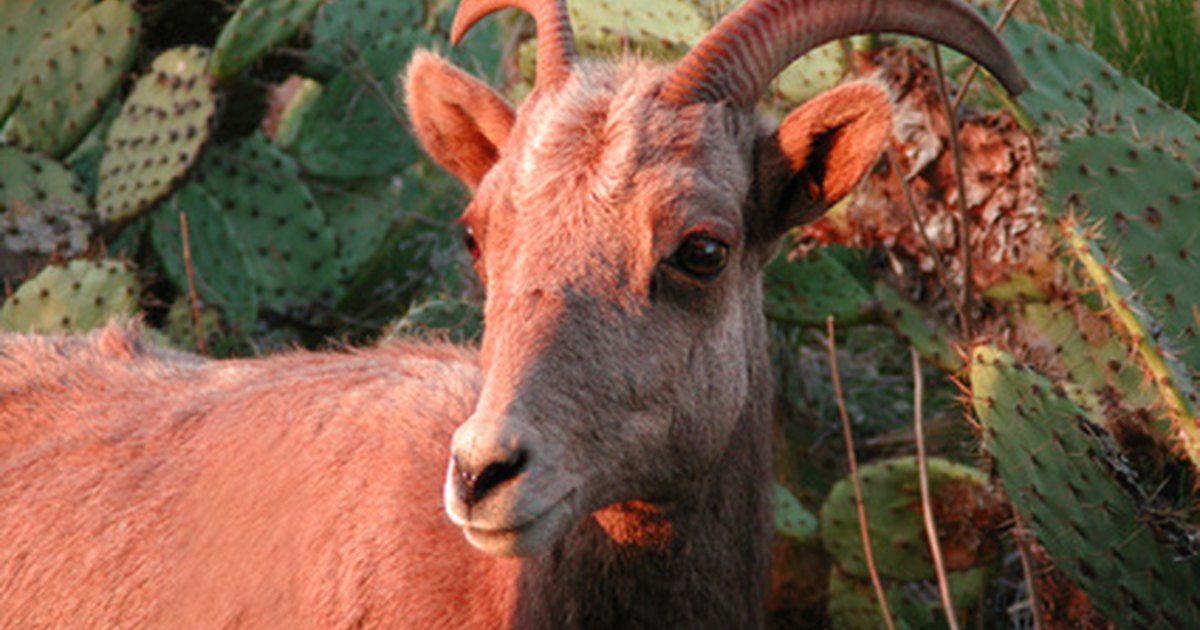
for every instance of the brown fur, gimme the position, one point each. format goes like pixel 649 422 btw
pixel 290 492
pixel 148 489
pixel 622 382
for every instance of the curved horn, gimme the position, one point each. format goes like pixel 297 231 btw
pixel 747 49
pixel 556 43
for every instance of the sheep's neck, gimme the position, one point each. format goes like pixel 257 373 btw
pixel 697 562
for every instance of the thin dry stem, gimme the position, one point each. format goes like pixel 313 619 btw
pixel 974 69
pixel 935 548
pixel 201 345
pixel 853 461
pixel 894 166
pixel 1019 533
pixel 964 223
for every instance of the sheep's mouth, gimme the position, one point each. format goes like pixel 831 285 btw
pixel 529 537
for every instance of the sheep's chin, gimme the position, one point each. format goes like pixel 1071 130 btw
pixel 530 538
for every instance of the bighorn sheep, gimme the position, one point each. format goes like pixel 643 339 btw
pixel 616 434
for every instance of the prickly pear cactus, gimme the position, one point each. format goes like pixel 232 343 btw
pixel 73 298
pixel 1072 343
pixel 220 266
pixel 288 246
pixel 853 604
pixel 422 252
pixel 1169 378
pixel 180 325
pixel 892 499
pixel 68 77
pixel 85 158
pixel 24 24
pixel 158 135
pixel 343 29
pixel 298 95
pixel 667 28
pixel 355 128
pixel 359 216
pixel 1066 476
pixel 792 519
pixel 933 341
pixel 256 27
pixel 42 206
pixel 444 318
pixel 1071 86
pixel 818 70
pixel 1147 199
pixel 807 290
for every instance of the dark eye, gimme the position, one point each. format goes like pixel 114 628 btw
pixel 470 242
pixel 701 256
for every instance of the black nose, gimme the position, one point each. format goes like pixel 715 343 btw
pixel 473 487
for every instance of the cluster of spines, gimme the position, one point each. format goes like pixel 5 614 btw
pixel 1072 484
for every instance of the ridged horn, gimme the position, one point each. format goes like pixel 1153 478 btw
pixel 754 43
pixel 556 42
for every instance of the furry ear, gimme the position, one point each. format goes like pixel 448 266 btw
pixel 819 153
pixel 461 122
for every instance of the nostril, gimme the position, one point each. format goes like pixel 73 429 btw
pixel 475 487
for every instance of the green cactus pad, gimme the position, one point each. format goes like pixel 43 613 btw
pixel 343 29
pixel 180 325
pixel 442 318
pixel 72 298
pixel 667 28
pixel 303 94
pixel 158 135
pixel 67 78
pixel 356 127
pixel 853 604
pixel 1071 86
pixel 792 519
pixel 1149 204
pixel 892 499
pixel 1063 473
pixel 219 264
pixel 359 215
pixel 42 206
pixel 289 248
pixel 422 253
pixel 933 341
pixel 1092 367
pixel 23 25
pixel 256 27
pixel 85 158
pixel 1169 378
pixel 806 291
pixel 817 71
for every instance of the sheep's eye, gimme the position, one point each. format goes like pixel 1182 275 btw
pixel 701 256
pixel 470 242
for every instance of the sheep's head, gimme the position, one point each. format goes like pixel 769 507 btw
pixel 620 224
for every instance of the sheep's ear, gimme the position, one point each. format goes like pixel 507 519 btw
pixel 818 154
pixel 461 122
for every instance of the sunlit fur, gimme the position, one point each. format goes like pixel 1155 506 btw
pixel 298 491
pixel 144 488
pixel 623 379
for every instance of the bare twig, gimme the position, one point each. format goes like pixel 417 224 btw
pixel 201 345
pixel 964 223
pixel 858 495
pixel 974 70
pixel 935 548
pixel 939 267
pixel 1020 533
pixel 894 166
